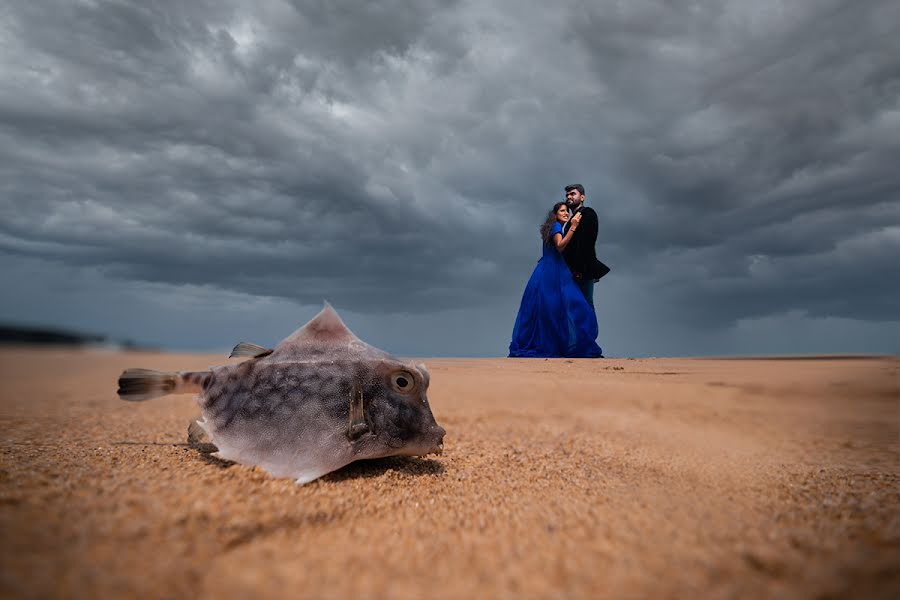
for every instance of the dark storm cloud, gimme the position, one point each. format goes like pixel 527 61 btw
pixel 398 157
pixel 756 147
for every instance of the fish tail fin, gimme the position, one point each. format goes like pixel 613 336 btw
pixel 137 385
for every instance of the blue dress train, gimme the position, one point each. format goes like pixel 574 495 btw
pixel 554 318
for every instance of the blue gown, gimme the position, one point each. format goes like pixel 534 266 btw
pixel 554 318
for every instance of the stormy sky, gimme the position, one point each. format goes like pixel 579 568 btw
pixel 195 173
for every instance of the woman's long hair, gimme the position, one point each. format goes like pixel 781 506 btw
pixel 548 224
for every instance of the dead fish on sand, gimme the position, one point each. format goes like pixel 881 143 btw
pixel 320 400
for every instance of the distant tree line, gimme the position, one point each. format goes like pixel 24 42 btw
pixel 12 334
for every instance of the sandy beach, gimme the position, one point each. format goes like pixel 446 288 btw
pixel 617 478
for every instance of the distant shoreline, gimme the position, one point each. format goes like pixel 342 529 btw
pixel 46 337
pixel 16 334
pixel 103 343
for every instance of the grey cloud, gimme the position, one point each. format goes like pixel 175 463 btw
pixel 354 31
pixel 757 148
pixel 398 158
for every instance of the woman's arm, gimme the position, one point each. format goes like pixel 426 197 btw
pixel 560 241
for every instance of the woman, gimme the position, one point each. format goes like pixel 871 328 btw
pixel 554 318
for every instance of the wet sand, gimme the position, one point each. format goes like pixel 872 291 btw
pixel 666 478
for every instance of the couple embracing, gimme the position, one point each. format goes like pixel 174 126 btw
pixel 556 317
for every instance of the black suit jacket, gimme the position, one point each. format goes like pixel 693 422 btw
pixel 580 254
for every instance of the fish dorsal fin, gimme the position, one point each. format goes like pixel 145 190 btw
pixel 248 349
pixel 325 328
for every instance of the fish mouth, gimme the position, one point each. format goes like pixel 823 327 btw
pixel 439 446
pixel 435 446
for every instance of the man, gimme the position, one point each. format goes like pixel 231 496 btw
pixel 580 254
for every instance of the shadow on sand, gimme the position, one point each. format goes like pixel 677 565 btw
pixel 374 467
pixel 204 450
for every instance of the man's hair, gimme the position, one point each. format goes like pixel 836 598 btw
pixel 575 186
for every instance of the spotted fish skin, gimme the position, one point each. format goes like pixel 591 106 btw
pixel 290 411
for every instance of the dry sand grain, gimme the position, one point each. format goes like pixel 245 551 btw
pixel 580 479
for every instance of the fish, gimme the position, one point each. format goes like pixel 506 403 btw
pixel 321 399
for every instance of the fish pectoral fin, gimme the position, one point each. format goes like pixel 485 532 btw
pixel 307 477
pixel 358 425
pixel 251 350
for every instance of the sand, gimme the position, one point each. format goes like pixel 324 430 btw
pixel 666 478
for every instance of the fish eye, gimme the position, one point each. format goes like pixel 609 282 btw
pixel 403 381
